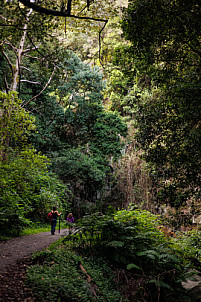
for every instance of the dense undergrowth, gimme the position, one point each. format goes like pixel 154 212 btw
pixel 36 228
pixel 31 228
pixel 120 257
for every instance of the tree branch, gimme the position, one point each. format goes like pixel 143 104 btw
pixel 23 67
pixel 31 82
pixel 99 39
pixel 9 62
pixel 30 49
pixel 37 58
pixel 13 47
pixel 58 13
pixel 6 84
pixel 23 105
pixel 19 53
pixel 68 11
pixel 5 19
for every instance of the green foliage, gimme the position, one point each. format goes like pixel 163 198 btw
pixel 190 243
pixel 35 228
pixel 164 108
pixel 120 83
pixel 14 15
pixel 168 27
pixel 15 124
pixel 80 80
pixel 57 277
pixel 49 120
pixel 75 131
pixel 86 121
pixel 169 136
pixel 81 120
pixel 85 175
pixel 105 138
pixel 77 166
pixel 130 239
pixel 27 190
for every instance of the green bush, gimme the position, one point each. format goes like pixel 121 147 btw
pixel 56 276
pixel 130 240
pixel 124 249
pixel 190 244
pixel 27 189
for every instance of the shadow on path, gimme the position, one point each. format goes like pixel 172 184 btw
pixel 15 257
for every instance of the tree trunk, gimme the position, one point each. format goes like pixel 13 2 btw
pixel 19 54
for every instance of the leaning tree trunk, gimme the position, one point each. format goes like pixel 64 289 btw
pixel 19 54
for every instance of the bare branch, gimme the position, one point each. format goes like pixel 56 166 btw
pixel 58 13
pixel 6 85
pixel 99 35
pixel 13 47
pixel 30 49
pixel 19 53
pixel 8 60
pixel 37 58
pixel 44 58
pixel 31 82
pixel 5 19
pixel 68 11
pixel 23 105
pixel 23 67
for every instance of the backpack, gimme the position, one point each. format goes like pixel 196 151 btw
pixel 49 216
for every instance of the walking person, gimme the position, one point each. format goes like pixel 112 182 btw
pixel 54 216
pixel 70 221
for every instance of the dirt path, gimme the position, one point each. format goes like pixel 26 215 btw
pixel 15 257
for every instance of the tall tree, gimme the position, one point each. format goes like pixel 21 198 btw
pixel 23 40
pixel 78 135
pixel 165 37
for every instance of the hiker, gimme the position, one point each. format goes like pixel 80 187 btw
pixel 54 213
pixel 70 220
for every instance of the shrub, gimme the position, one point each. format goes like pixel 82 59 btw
pixel 131 241
pixel 56 276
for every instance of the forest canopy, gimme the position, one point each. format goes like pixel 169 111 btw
pixel 165 46
pixel 147 75
pixel 100 115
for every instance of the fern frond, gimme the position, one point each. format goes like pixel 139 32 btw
pixel 116 244
pixel 131 265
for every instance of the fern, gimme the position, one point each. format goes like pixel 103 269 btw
pixel 134 244
pixel 149 254
pixel 167 257
pixel 116 244
pixel 160 283
pixel 131 266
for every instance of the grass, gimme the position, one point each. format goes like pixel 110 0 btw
pixel 60 274
pixel 37 228
pixel 5 238
pixel 34 228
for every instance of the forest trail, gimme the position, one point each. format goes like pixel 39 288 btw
pixel 15 257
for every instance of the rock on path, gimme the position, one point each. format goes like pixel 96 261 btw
pixel 194 288
pixel 15 257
